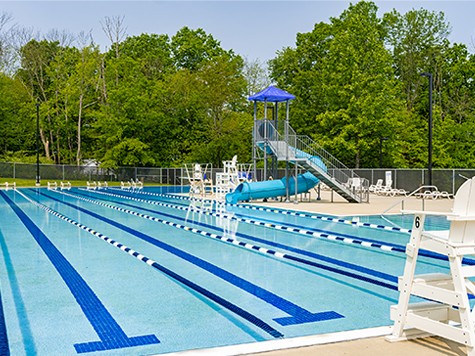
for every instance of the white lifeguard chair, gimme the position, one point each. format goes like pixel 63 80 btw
pixel 447 312
pixel 227 180
pixel 200 183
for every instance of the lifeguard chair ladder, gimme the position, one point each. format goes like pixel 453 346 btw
pixel 447 312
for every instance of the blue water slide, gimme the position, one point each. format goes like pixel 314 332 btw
pixel 271 188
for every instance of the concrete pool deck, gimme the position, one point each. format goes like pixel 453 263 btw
pixel 365 343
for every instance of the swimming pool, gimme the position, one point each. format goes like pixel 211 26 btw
pixel 153 272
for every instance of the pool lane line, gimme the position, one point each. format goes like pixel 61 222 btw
pixel 348 239
pixel 297 314
pixel 345 238
pixel 107 329
pixel 288 212
pixel 210 295
pixel 4 347
pixel 264 250
pixel 320 257
pixel 24 323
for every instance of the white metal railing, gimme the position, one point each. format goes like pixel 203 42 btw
pixel 289 146
pixel 414 193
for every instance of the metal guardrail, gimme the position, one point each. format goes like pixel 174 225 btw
pixel 289 146
pixel 414 193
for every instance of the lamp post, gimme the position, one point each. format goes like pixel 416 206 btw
pixel 429 159
pixel 37 144
pixel 381 139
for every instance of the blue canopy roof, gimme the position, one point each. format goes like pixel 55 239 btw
pixel 272 94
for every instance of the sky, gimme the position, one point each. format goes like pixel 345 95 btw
pixel 255 30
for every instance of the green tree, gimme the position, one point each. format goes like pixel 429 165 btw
pixel 347 96
pixel 16 119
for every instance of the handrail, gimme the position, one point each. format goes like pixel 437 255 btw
pixel 300 147
pixel 425 187
pixel 306 144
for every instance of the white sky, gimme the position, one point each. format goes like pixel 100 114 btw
pixel 253 29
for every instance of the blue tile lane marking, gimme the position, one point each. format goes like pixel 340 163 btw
pixel 109 332
pixel 232 307
pixel 285 212
pixel 308 232
pixel 4 348
pixel 235 242
pixel 24 323
pixel 296 312
pixel 278 254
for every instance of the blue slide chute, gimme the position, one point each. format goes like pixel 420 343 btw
pixel 271 188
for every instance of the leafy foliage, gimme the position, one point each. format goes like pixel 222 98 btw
pixel 164 100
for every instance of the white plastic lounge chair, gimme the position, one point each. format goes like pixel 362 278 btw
pixel 136 185
pixel 447 313
pixel 374 188
pixel 356 185
pixel 434 194
pixel 386 189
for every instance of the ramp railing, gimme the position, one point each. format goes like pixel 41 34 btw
pixel 289 146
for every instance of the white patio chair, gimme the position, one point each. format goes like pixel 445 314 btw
pixel 65 185
pixel 376 187
pixel 386 189
pixel 447 312
pixel 91 185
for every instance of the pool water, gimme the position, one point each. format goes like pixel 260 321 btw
pixel 152 272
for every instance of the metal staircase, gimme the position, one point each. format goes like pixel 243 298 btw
pixel 306 153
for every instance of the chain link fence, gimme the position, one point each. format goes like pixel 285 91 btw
pixel 408 179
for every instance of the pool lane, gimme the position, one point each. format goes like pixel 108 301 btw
pixel 239 311
pixel 306 231
pixel 296 313
pixel 108 330
pixel 238 243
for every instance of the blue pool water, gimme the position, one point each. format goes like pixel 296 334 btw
pixel 153 272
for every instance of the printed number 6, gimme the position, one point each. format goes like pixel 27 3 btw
pixel 417 222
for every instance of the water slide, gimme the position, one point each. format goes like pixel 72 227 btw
pixel 271 188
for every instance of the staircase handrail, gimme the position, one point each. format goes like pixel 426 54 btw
pixel 339 173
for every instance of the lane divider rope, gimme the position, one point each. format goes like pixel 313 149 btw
pixel 287 212
pixel 305 232
pixel 219 300
pixel 236 242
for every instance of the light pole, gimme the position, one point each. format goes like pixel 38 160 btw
pixel 381 139
pixel 429 159
pixel 37 144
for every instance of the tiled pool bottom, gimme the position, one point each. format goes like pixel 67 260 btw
pixel 118 272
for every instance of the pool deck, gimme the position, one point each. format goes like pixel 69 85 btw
pixel 364 342
pixel 378 204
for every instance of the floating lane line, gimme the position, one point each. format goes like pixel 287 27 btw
pixel 305 232
pixel 297 314
pixel 109 331
pixel 274 244
pixel 262 249
pixel 210 295
pixel 348 240
pixel 287 212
